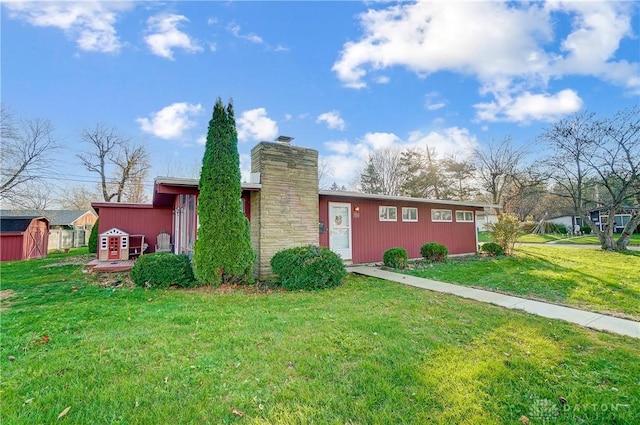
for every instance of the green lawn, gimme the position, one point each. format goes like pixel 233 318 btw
pixel 592 279
pixel 593 240
pixel 531 238
pixel 485 236
pixel 369 352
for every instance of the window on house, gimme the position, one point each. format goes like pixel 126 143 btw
pixel 409 214
pixel 464 216
pixel 388 213
pixel 441 215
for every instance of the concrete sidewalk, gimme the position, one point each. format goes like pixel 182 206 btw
pixel 588 319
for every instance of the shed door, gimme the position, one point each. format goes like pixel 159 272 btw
pixel 114 247
pixel 340 229
pixel 37 243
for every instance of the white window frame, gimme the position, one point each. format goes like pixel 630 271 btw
pixel 464 216
pixel 441 220
pixel 383 213
pixel 407 217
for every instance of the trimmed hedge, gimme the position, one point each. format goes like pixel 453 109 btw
pixel 163 269
pixel 586 230
pixel 308 267
pixel 434 251
pixel 395 258
pixel 492 248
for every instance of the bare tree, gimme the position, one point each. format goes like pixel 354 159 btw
pixel 325 172
pixel 498 166
pixel 115 159
pixel 171 168
pixel 27 150
pixel 384 173
pixel 77 198
pixel 596 163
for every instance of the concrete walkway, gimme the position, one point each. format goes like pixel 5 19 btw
pixel 588 319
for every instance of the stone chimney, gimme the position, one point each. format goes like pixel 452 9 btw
pixel 284 213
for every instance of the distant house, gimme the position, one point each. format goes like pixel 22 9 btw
pixel 285 209
pixel 600 217
pixel 23 237
pixel 486 218
pixel 69 228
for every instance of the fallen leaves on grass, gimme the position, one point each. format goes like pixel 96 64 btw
pixel 237 412
pixel 64 412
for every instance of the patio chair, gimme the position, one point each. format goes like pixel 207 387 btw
pixel 163 242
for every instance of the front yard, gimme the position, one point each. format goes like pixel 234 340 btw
pixel 368 352
pixel 591 279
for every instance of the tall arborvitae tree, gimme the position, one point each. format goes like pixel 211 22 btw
pixel 223 250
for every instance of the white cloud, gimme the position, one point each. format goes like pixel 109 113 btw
pixel 164 36
pixel 528 107
pixel 380 141
pixel 425 37
pixel 513 49
pixel 590 49
pixel 89 24
pixel 245 167
pixel 202 140
pixel 433 101
pixel 332 119
pixel 171 121
pixel 254 124
pixel 235 30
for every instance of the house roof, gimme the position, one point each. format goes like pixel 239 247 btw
pixel 17 223
pixel 193 183
pixel 56 217
pixel 359 195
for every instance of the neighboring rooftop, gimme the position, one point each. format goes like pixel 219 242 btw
pixel 56 217
pixel 16 223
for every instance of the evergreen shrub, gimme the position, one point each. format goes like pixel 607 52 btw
pixel 492 249
pixel 395 258
pixel 308 267
pixel 586 230
pixel 93 239
pixel 434 251
pixel 163 269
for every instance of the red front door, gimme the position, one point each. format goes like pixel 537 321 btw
pixel 114 247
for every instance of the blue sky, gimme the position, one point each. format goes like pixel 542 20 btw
pixel 345 78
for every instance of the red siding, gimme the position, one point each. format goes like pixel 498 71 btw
pixel 12 247
pixel 372 237
pixel 137 220
pixel 32 243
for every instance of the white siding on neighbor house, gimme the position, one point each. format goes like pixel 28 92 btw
pixel 484 219
pixel 566 220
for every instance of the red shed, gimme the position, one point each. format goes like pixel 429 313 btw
pixel 23 237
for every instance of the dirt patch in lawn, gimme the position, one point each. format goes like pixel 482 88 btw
pixel 229 288
pixel 5 294
pixel 75 260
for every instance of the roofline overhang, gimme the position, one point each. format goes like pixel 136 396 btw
pixel 359 195
pixel 193 183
